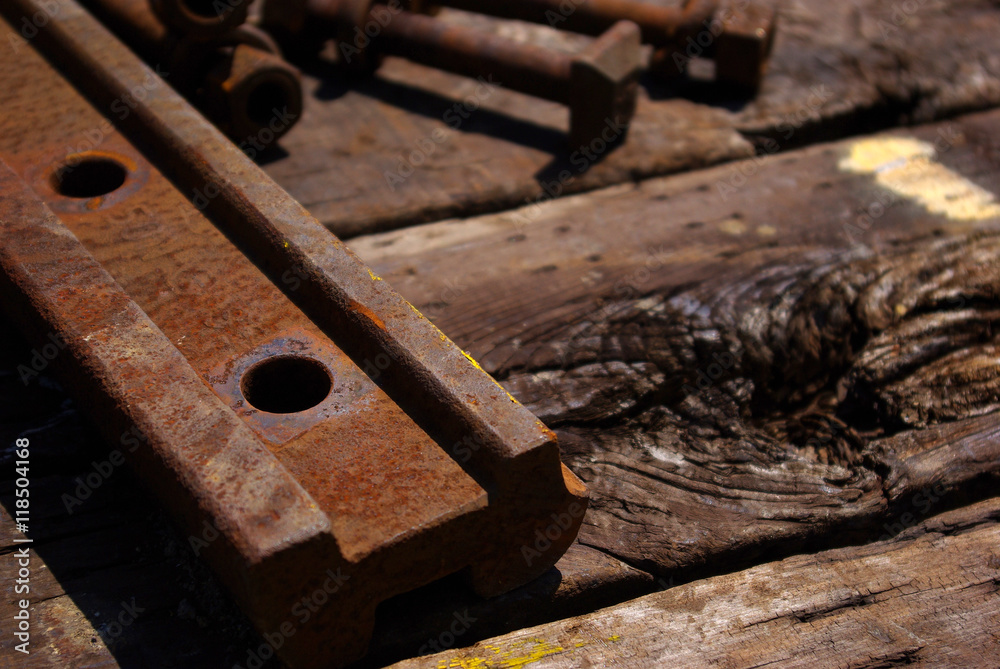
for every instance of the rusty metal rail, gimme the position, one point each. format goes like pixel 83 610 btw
pixel 341 446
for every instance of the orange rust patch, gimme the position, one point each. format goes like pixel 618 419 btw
pixel 362 309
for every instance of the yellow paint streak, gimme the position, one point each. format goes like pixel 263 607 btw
pixel 519 654
pixel 473 361
pixel 733 226
pixel 479 367
pixel 373 275
pixel 908 168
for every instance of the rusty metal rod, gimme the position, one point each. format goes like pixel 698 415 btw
pixel 738 38
pixel 202 19
pixel 528 68
pixel 238 81
pixel 657 24
pixel 599 84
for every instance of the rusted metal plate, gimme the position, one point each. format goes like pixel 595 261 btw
pixel 344 449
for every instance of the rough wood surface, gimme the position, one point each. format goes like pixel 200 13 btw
pixel 928 598
pixel 831 419
pixel 739 369
pixel 837 69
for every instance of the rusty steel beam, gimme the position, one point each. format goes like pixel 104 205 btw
pixel 321 442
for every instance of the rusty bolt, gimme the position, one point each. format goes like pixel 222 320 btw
pixel 202 20
pixel 599 84
pixel 738 39
pixel 239 79
pixel 255 95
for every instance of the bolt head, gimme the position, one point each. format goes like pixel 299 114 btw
pixel 739 40
pixel 745 44
pixel 604 84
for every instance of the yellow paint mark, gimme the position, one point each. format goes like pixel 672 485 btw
pixel 373 275
pixel 518 654
pixel 900 310
pixel 733 226
pixel 907 167
pixel 473 361
pixel 479 367
pixel 286 245
pixel 767 230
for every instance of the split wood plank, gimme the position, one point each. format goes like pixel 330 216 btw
pixel 929 598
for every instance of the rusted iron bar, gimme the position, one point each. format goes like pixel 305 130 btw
pixel 335 445
pixel 599 84
pixel 738 38
pixel 239 80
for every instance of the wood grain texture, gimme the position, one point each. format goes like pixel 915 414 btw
pixel 741 369
pixel 831 421
pixel 837 69
pixel 927 598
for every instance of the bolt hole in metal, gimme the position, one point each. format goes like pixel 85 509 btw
pixel 206 8
pixel 89 176
pixel 263 100
pixel 286 384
